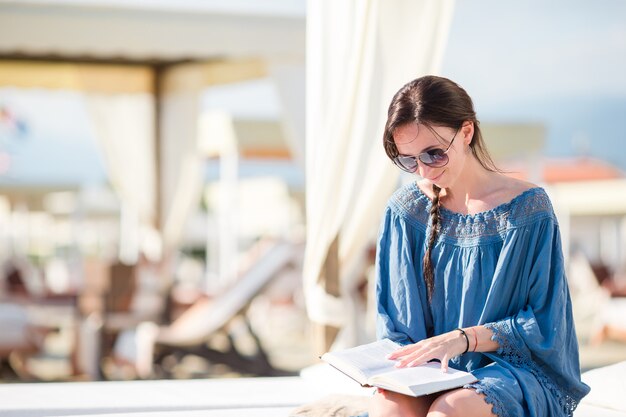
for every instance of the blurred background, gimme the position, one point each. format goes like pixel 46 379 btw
pixel 192 189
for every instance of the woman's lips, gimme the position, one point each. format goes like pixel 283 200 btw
pixel 436 178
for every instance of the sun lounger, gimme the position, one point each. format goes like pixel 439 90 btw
pixel 193 331
pixel 592 304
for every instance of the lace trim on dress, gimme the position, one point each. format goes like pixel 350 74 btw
pixel 491 397
pixel 503 334
pixel 523 209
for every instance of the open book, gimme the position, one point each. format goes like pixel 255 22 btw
pixel 367 365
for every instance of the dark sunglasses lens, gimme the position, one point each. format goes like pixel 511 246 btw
pixel 406 163
pixel 434 158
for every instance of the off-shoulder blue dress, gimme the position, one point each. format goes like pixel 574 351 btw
pixel 501 268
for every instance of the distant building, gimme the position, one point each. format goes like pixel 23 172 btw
pixel 588 194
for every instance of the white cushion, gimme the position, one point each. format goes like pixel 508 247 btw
pixel 585 410
pixel 608 387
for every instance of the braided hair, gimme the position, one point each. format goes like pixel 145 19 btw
pixel 434 101
pixel 435 220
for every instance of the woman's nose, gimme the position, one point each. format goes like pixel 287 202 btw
pixel 426 172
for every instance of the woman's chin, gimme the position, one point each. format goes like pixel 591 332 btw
pixel 438 180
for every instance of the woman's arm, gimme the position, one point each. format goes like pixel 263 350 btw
pixel 399 298
pixel 445 347
pixel 480 339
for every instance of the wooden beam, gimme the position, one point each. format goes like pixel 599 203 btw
pixel 99 78
pixel 325 335
pixel 192 76
pixel 262 153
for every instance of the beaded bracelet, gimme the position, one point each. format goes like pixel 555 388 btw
pixel 466 339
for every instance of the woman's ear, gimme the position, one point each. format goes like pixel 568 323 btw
pixel 467 129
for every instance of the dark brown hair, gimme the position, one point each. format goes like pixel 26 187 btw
pixel 434 101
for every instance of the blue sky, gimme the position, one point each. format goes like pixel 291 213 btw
pixel 536 49
pixel 562 63
pixel 59 147
pixel 559 63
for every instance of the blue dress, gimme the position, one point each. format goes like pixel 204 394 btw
pixel 501 268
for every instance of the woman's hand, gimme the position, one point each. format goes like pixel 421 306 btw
pixel 443 347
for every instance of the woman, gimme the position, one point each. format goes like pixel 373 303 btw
pixel 470 269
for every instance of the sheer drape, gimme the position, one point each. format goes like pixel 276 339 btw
pixel 358 54
pixel 124 125
pixel 182 162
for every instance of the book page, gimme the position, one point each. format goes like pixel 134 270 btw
pixel 425 378
pixel 365 360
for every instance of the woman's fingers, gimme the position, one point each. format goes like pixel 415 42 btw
pixel 444 363
pixel 415 362
pixel 416 358
pixel 410 360
pixel 403 351
pixel 442 348
pixel 424 355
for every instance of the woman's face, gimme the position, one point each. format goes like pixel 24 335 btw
pixel 414 139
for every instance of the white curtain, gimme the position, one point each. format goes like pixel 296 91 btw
pixel 182 161
pixel 124 125
pixel 359 52
pixel 189 137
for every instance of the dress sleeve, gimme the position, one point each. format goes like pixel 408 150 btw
pixel 541 336
pixel 400 289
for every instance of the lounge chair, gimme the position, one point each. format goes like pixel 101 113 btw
pixel 589 299
pixel 210 319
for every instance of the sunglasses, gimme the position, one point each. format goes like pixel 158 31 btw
pixel 434 158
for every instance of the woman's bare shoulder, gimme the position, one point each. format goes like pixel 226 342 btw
pixel 517 186
pixel 507 189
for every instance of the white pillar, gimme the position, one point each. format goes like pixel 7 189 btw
pixel 289 79
pixel 217 138
pixel 609 242
pixel 227 211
